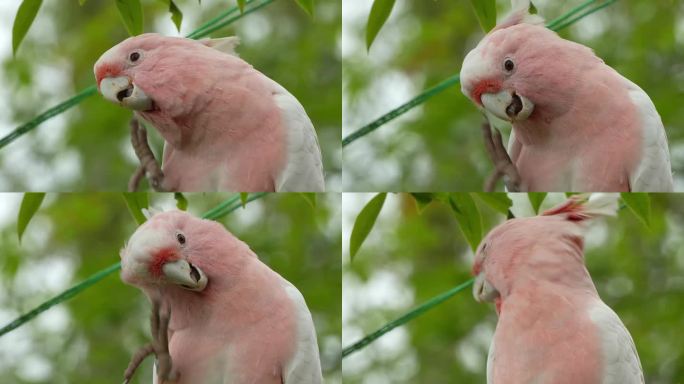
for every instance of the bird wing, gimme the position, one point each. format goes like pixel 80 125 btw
pixel 305 364
pixel 304 169
pixel 654 171
pixel 621 363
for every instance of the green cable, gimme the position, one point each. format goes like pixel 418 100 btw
pixel 212 214
pixel 375 124
pixel 419 310
pixel 202 31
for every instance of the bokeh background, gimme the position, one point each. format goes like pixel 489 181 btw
pixel 411 257
pixel 91 338
pixel 88 147
pixel 438 146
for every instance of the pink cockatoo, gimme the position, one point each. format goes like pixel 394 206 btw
pixel 226 126
pixel 553 327
pixel 232 318
pixel 578 125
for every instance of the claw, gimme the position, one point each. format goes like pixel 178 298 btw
pixel 503 165
pixel 148 163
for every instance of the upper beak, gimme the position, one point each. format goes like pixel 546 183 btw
pixel 507 105
pixel 483 290
pixel 122 91
pixel 185 274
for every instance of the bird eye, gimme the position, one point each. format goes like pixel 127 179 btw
pixel 181 238
pixel 134 56
pixel 509 66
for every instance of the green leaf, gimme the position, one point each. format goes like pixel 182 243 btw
pixel 22 21
pixel 181 201
pixel 485 10
pixel 29 206
pixel 499 201
pixel 468 217
pixel 243 198
pixel 310 198
pixel 307 6
pixel 81 2
pixel 241 5
pixel 379 14
pixel 132 15
pixel 176 15
pixel 536 199
pixel 639 204
pixel 364 222
pixel 136 201
pixel 422 200
pixel 532 9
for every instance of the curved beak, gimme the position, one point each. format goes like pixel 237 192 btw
pixel 185 274
pixel 483 290
pixel 507 105
pixel 122 91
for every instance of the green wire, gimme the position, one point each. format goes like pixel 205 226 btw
pixel 217 212
pixel 419 310
pixel 393 114
pixel 206 28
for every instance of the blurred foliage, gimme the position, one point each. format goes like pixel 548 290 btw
pixel 410 257
pixel 75 235
pixel 56 61
pixel 438 146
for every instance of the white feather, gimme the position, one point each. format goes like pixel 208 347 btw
pixel 225 44
pixel 602 204
pixel 621 363
pixel 490 363
pixel 305 365
pixel 150 211
pixel 304 169
pixel 654 171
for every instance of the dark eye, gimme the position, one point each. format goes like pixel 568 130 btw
pixel 509 65
pixel 134 56
pixel 181 238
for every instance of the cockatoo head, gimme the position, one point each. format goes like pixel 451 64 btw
pixel 177 249
pixel 521 66
pixel 135 71
pixel 546 247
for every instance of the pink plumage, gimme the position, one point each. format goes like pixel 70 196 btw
pixel 578 125
pixel 553 327
pixel 233 319
pixel 226 125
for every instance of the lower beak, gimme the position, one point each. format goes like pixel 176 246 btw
pixel 185 274
pixel 507 105
pixel 483 290
pixel 121 90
